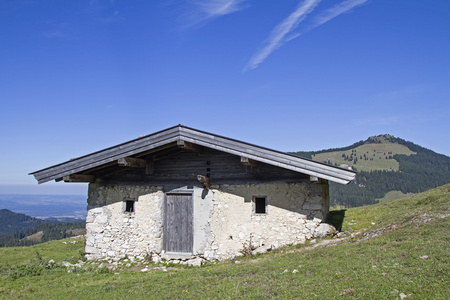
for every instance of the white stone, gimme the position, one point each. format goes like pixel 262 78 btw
pixel 90 218
pixel 90 240
pixel 91 250
pixel 196 262
pixel 323 230
pixel 262 249
pixel 66 264
pixel 101 219
pixel 97 210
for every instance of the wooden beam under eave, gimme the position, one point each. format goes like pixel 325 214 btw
pixel 317 180
pixel 132 162
pixel 314 179
pixel 249 162
pixel 79 178
pixel 189 146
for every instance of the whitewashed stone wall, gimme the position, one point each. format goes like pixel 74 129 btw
pixel 224 222
pixel 294 211
pixel 111 232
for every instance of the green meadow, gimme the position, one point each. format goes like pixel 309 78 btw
pixel 392 250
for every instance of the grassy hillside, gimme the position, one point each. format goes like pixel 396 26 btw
pixel 392 250
pixel 385 164
pixel 376 154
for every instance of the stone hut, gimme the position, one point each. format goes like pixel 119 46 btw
pixel 187 194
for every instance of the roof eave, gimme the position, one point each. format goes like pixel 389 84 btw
pixel 202 138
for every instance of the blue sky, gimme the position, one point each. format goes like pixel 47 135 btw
pixel 79 76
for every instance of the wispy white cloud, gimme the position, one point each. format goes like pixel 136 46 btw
pixel 335 11
pixel 219 7
pixel 278 35
pixel 283 32
pixel 206 10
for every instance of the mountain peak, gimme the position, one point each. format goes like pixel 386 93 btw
pixel 381 139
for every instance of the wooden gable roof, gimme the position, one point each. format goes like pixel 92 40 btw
pixel 182 136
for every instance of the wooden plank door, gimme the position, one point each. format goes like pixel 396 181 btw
pixel 178 229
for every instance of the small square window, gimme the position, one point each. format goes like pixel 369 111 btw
pixel 128 205
pixel 260 205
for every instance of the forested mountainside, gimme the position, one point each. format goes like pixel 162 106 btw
pixel 22 230
pixel 384 164
pixel 11 222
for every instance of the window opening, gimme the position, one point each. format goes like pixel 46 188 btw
pixel 260 205
pixel 128 205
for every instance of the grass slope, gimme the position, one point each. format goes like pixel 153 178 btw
pixel 376 155
pixel 396 248
pixel 385 164
pixel 392 195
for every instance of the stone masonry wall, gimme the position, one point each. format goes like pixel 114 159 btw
pixel 113 233
pixel 294 211
pixel 224 222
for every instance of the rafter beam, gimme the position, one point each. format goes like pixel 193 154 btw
pixel 79 178
pixel 132 162
pixel 189 146
pixel 249 162
pixel 315 179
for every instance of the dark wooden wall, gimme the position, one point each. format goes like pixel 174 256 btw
pixel 222 168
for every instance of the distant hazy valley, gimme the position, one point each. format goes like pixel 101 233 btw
pixel 46 206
